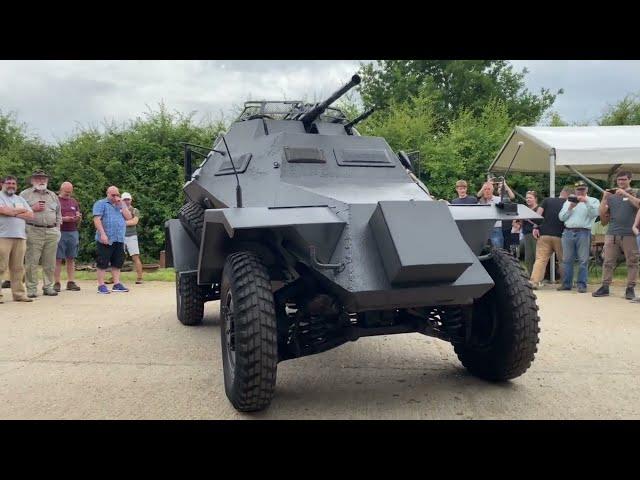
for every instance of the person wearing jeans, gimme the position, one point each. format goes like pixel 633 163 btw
pixel 575 245
pixel 578 214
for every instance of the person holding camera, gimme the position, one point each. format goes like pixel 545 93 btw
pixel 620 207
pixel 487 197
pixel 578 214
pixel 43 234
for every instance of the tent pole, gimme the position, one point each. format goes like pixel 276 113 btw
pixel 552 193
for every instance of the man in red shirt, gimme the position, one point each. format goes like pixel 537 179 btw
pixel 69 237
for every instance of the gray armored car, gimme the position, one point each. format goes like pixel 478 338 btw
pixel 312 235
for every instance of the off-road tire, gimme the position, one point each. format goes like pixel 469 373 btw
pixel 510 351
pixel 250 369
pixel 191 215
pixel 190 298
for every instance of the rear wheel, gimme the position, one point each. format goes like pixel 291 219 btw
pixel 190 298
pixel 191 216
pixel 248 333
pixel 504 332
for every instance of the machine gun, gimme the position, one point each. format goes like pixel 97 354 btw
pixel 349 126
pixel 309 117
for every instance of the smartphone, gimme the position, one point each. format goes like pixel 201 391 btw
pixel 612 190
pixel 572 199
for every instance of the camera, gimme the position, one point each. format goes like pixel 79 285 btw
pixel 573 199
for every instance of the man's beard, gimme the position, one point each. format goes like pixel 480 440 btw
pixel 9 191
pixel 41 186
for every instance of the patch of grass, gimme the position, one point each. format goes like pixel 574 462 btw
pixel 160 275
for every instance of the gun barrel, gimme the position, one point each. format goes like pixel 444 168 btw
pixel 359 118
pixel 316 111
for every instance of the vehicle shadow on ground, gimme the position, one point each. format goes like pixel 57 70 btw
pixel 352 393
pixel 211 317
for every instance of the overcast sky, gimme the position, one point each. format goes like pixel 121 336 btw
pixel 55 97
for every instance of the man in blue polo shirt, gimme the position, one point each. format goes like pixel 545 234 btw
pixel 578 213
pixel 109 217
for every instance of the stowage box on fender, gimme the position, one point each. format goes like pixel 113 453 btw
pixel 419 242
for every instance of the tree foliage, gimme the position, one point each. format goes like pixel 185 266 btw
pixel 625 112
pixel 454 86
pixel 143 157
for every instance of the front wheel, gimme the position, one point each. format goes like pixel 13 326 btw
pixel 248 333
pixel 504 331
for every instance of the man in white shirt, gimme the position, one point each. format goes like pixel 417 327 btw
pixel 14 211
pixel 487 197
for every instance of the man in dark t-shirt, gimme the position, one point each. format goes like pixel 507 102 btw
pixel 549 235
pixel 621 207
pixel 463 198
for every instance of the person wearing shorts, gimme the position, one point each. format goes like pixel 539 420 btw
pixel 69 237
pixel 109 217
pixel 131 236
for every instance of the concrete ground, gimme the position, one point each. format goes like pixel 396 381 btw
pixel 125 356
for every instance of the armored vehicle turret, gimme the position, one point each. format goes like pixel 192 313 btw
pixel 311 235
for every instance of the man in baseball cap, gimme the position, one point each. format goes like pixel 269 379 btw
pixel 578 213
pixel 131 235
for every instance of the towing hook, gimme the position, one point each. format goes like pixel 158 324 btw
pixel 339 267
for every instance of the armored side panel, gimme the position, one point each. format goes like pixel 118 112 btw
pixel 182 253
pixel 300 227
pixel 476 221
pixel 427 251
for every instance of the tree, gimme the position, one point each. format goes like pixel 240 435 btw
pixel 20 152
pixel 143 156
pixel 625 112
pixel 454 86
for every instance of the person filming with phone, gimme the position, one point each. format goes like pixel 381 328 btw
pixel 620 206
pixel 578 214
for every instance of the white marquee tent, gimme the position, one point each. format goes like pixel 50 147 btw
pixel 595 152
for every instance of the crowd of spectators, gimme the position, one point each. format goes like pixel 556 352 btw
pixel 39 230
pixel 567 228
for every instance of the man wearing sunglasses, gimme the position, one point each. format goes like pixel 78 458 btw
pixel 109 217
